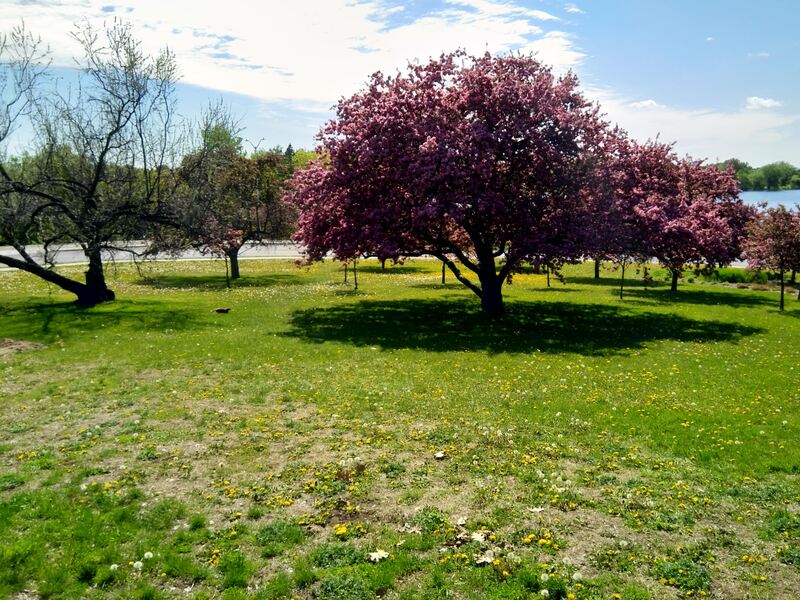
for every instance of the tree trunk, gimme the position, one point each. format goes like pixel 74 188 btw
pixel 597 268
pixel 492 294
pixel 233 256
pixel 548 275
pixel 355 274
pixel 345 272
pixel 793 278
pixel 443 267
pixel 95 291
pixel 622 280
pixel 674 286
pixel 783 285
pixel 65 283
pixel 227 273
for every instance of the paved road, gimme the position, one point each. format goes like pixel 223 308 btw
pixel 72 253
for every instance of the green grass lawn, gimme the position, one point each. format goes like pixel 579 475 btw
pixel 321 442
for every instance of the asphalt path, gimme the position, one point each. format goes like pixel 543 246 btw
pixel 73 254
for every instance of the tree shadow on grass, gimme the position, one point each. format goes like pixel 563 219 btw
pixel 704 297
pixel 449 285
pixel 660 292
pixel 453 325
pixel 614 282
pixel 390 269
pixel 217 282
pixel 48 321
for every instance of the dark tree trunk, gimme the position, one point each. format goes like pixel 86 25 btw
pixel 622 280
pixel 65 283
pixel 597 268
pixel 233 256
pixel 95 291
pixel 547 268
pixel 492 294
pixel 355 274
pixel 794 276
pixel 345 272
pixel 674 286
pixel 383 264
pixel 443 267
pixel 783 285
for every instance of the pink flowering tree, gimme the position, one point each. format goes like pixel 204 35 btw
pixel 774 242
pixel 622 179
pixel 477 161
pixel 690 213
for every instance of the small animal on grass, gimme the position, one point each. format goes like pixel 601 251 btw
pixel 222 311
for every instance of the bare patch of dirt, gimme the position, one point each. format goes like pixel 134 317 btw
pixel 9 346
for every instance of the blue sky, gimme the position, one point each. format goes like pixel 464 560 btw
pixel 718 78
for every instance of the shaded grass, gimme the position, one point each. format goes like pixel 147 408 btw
pixel 553 327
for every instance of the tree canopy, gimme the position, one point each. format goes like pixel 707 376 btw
pixel 486 162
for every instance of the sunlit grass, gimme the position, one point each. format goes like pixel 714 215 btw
pixel 582 445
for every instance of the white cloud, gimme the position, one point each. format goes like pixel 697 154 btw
pixel 499 8
pixel 756 136
pixel 761 54
pixel 710 39
pixel 645 104
pixel 314 51
pixel 756 103
pixel 572 9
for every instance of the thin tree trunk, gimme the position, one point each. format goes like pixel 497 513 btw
pixel 233 256
pixel 547 268
pixel 355 273
pixel 674 286
pixel 793 278
pixel 227 274
pixel 622 280
pixel 783 285
pixel 443 268
pixel 345 272
pixel 597 268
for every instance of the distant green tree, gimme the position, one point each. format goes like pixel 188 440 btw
pixel 288 158
pixel 774 176
pixel 777 175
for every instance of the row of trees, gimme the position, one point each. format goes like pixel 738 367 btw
pixel 489 163
pixel 112 161
pixel 773 176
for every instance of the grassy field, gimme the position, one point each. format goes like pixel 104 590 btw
pixel 321 442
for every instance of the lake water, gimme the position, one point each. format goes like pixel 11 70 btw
pixel 786 197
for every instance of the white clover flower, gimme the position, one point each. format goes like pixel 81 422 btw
pixel 113 567
pixel 544 593
pixel 378 555
pixel 148 555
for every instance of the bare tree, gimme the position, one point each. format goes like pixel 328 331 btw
pixel 98 170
